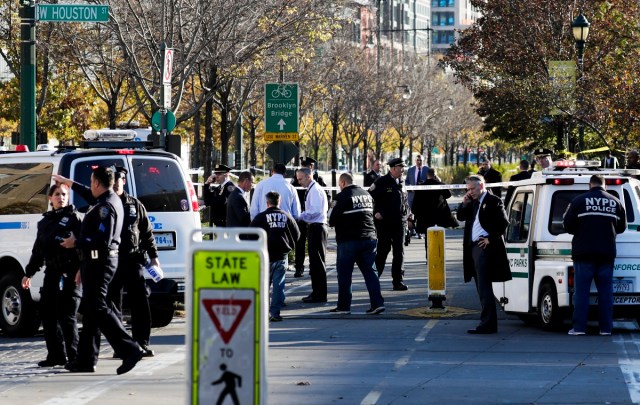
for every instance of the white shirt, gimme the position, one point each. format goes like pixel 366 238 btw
pixel 315 205
pixel 289 201
pixel 478 231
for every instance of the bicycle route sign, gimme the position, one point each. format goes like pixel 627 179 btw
pixel 281 111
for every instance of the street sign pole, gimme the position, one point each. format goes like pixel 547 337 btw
pixel 228 300
pixel 28 75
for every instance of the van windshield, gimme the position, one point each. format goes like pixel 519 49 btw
pixel 159 184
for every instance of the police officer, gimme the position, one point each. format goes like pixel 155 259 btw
pixel 391 213
pixel 543 158
pixel 60 296
pixel 208 194
pixel 136 241
pixel 98 244
pixel 594 219
pixel 220 197
pixel 309 163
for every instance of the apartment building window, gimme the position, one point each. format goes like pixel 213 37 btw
pixel 443 18
pixel 443 37
pixel 443 3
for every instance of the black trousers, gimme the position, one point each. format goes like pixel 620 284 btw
pixel 58 309
pixel 130 277
pixel 301 246
pixel 97 314
pixel 489 313
pixel 391 236
pixel 317 236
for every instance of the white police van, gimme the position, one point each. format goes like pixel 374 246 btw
pixel 539 249
pixel 155 177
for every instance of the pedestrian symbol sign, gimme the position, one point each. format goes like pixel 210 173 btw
pixel 228 303
pixel 226 315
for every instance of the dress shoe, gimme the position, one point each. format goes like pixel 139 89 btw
pixel 310 299
pixel 147 352
pixel 117 356
pixel 275 318
pixel 298 274
pixel 400 287
pixel 130 362
pixel 76 367
pixel 51 363
pixel 482 331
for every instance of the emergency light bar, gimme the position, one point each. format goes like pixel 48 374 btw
pixel 109 135
pixel 576 163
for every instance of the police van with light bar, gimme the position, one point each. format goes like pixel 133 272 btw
pixel 156 177
pixel 539 249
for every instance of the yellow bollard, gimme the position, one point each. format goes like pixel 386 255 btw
pixel 436 266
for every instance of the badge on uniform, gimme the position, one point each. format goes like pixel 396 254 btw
pixel 230 187
pixel 132 211
pixel 104 212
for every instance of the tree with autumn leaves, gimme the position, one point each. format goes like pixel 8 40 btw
pixel 504 59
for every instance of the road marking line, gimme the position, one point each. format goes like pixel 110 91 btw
pixel 425 331
pixel 86 394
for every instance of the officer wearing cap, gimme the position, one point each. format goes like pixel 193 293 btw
pixel 98 245
pixel 391 212
pixel 220 197
pixel 543 158
pixel 310 163
pixel 136 240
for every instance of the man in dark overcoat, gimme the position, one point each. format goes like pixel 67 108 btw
pixel 484 254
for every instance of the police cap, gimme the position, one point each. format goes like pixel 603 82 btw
pixel 120 173
pixel 222 169
pixel 397 162
pixel 542 152
pixel 308 161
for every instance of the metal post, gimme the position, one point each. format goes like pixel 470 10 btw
pixel 28 74
pixel 580 46
pixel 238 154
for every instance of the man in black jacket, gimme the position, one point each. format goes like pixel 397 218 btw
pixel 484 251
pixel 282 235
pixel 594 219
pixel 352 217
pixel 490 175
pixel 391 212
pixel 373 174
pixel 237 205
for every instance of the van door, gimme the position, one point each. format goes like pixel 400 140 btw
pixel 516 292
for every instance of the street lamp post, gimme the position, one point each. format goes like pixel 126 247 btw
pixel 580 28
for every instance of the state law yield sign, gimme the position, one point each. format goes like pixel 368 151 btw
pixel 281 112
pixel 228 306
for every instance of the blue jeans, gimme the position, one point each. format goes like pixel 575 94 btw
pixel 362 253
pixel 602 273
pixel 277 271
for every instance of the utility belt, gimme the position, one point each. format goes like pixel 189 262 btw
pixel 134 254
pixel 96 254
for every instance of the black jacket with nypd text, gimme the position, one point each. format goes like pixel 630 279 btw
pixel 352 215
pixel 594 219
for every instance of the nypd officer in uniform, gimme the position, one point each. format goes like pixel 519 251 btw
pixel 136 240
pixel 391 212
pixel 221 195
pixel 98 245
pixel 208 194
pixel 309 163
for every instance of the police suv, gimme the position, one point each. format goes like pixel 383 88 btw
pixel 539 249
pixel 155 177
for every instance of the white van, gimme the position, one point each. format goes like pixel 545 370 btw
pixel 539 249
pixel 155 177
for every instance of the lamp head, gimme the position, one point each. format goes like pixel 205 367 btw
pixel 580 27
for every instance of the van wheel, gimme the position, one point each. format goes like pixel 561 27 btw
pixel 19 317
pixel 550 316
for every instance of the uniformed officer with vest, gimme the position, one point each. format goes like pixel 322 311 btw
pixel 136 241
pixel 391 212
pixel 221 195
pixel 310 163
pixel 98 245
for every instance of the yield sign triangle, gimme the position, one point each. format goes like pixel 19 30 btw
pixel 226 315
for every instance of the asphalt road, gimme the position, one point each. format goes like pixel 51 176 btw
pixel 407 355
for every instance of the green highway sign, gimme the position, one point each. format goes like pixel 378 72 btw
pixel 72 13
pixel 282 110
